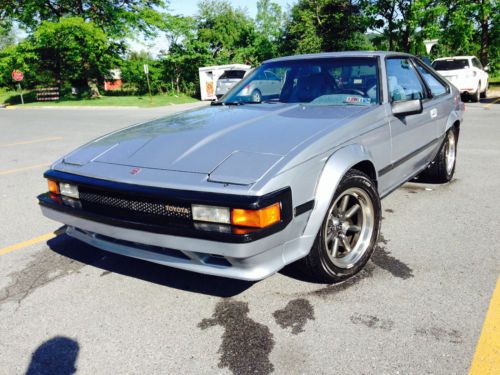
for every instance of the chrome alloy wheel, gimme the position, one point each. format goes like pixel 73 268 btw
pixel 450 152
pixel 349 227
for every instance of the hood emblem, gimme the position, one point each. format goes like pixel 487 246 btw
pixel 135 170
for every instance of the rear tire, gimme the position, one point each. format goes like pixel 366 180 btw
pixel 256 96
pixel 484 94
pixel 349 231
pixel 442 168
pixel 476 96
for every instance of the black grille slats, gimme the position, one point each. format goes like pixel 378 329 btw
pixel 141 208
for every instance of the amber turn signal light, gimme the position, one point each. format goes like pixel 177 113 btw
pixel 256 218
pixel 53 186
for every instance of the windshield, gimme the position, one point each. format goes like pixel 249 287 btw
pixel 452 64
pixel 323 81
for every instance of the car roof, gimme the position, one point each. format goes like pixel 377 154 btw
pixel 455 58
pixel 339 54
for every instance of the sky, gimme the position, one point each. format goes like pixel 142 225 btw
pixel 189 8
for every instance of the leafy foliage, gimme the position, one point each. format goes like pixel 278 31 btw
pixel 74 42
pixel 116 17
pixel 326 25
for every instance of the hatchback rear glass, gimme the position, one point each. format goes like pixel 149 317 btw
pixel 452 64
pixel 233 74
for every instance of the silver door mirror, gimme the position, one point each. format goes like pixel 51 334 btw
pixel 486 69
pixel 407 107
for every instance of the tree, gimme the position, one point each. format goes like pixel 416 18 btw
pixel 227 30
pixel 269 27
pixel 403 25
pixel 73 50
pixel 116 17
pixel 7 36
pixel 326 25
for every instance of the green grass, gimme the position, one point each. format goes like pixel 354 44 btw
pixel 495 81
pixel 6 94
pixel 123 101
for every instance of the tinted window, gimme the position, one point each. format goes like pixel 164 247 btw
pixel 320 81
pixel 451 64
pixel 477 63
pixel 436 87
pixel 403 80
pixel 232 74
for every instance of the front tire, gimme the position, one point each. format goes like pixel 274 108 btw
pixel 442 168
pixel 349 231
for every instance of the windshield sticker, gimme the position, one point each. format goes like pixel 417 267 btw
pixel 357 99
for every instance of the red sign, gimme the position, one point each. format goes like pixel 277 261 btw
pixel 17 75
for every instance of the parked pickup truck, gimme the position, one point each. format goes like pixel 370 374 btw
pixel 242 188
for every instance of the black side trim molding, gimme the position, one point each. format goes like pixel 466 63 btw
pixel 303 208
pixel 405 158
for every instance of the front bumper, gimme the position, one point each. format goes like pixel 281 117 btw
pixel 247 256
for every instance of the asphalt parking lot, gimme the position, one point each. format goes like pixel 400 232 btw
pixel 418 308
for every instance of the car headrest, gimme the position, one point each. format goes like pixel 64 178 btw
pixel 310 87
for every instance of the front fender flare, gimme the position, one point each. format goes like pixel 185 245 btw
pixel 335 168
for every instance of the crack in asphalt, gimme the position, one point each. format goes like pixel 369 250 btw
pixel 44 267
pixel 246 344
pixel 295 314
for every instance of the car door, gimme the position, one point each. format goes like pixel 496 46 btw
pixel 413 135
pixel 439 91
pixel 274 83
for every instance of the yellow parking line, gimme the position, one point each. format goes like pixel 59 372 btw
pixel 31 141
pixel 9 171
pixel 33 241
pixel 487 358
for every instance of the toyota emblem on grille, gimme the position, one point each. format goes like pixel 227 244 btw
pixel 135 170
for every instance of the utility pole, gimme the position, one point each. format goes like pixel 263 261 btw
pixel 146 71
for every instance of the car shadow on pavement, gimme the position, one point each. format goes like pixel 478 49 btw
pixel 55 356
pixel 147 271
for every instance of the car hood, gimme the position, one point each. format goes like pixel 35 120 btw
pixel 242 141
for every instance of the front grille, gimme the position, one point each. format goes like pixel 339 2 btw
pixel 132 207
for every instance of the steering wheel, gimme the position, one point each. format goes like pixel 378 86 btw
pixel 352 91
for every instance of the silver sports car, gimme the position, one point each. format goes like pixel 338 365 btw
pixel 242 188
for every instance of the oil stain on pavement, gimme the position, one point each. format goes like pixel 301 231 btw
pixel 372 321
pixel 295 315
pixel 340 287
pixel 246 344
pixel 441 334
pixel 382 258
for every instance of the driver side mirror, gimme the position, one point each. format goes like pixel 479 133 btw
pixel 486 69
pixel 407 107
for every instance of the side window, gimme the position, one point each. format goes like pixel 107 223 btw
pixel 477 63
pixel 437 88
pixel 403 80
